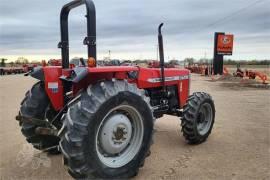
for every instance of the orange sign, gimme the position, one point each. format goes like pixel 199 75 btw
pixel 225 44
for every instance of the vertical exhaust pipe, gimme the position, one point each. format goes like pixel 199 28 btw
pixel 161 56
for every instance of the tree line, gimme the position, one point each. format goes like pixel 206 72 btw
pixel 228 61
pixel 244 62
pixel 18 61
pixel 186 61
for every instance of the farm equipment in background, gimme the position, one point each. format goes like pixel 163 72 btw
pixel 11 70
pixel 225 71
pixel 28 67
pixel 75 62
pixel 197 68
pixel 127 63
pixel 253 74
pixel 17 69
pixel 113 62
pixel 102 118
pixel 239 72
pixel 55 62
pixel 250 74
pixel 156 64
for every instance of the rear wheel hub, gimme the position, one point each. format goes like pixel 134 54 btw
pixel 119 136
pixel 115 134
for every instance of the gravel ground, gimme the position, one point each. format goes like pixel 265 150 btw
pixel 238 147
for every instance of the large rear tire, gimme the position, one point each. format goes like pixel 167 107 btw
pixel 198 118
pixel 35 105
pixel 107 131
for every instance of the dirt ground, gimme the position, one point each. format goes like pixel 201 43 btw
pixel 238 148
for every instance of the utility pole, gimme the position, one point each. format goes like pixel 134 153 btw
pixel 157 53
pixel 207 64
pixel 109 55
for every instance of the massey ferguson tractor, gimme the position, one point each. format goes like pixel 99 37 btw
pixel 101 118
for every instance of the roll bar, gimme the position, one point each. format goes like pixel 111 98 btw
pixel 90 39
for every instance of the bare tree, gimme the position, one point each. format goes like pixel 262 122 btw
pixel 21 60
pixel 189 61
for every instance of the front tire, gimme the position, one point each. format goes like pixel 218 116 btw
pixel 107 132
pixel 198 118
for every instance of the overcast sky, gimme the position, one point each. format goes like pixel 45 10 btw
pixel 128 28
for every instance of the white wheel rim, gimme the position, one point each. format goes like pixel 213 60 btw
pixel 204 125
pixel 119 136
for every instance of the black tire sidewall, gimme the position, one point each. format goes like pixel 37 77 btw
pixel 37 96
pixel 90 141
pixel 190 117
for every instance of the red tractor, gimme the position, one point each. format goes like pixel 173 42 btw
pixel 102 118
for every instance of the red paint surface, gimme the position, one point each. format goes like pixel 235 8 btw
pixel 147 73
pixel 53 73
